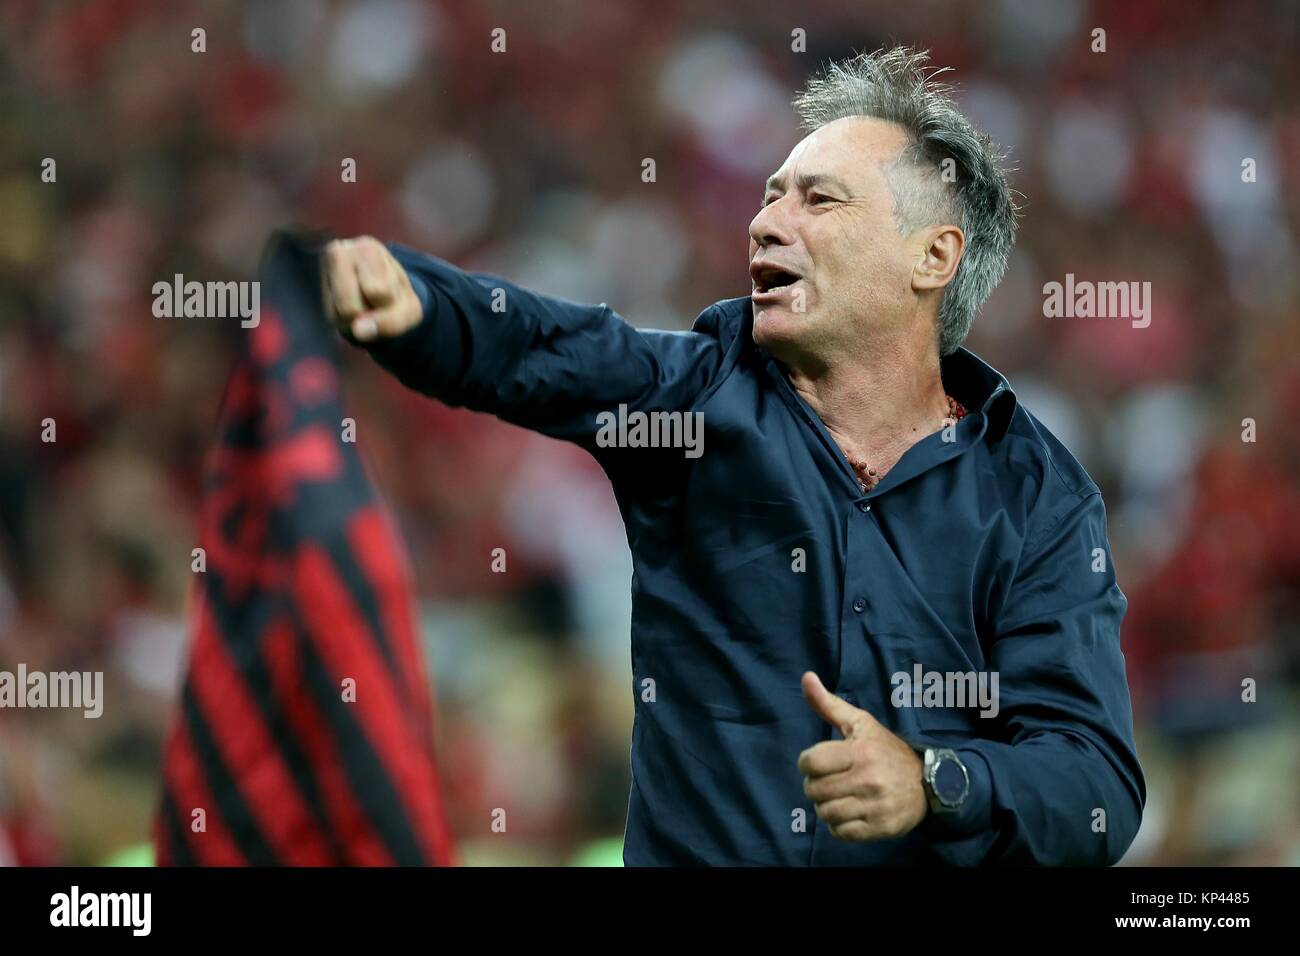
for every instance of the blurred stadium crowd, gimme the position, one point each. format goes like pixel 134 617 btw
pixel 528 163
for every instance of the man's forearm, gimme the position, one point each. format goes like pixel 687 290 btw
pixel 1055 799
pixel 543 363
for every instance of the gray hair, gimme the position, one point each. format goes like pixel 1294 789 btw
pixel 950 172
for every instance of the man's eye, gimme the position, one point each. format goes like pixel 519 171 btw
pixel 817 198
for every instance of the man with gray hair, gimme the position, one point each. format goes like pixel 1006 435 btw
pixel 871 501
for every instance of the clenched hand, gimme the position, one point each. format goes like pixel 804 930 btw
pixel 366 291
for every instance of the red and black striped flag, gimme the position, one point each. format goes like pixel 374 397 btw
pixel 304 731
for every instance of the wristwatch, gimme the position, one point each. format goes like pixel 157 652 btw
pixel 946 780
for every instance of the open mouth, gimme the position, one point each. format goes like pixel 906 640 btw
pixel 771 278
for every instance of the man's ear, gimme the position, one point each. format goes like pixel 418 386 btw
pixel 939 258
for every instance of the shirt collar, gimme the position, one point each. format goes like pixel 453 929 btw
pixel 978 385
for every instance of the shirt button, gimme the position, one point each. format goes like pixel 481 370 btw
pixel 859 604
pixel 864 507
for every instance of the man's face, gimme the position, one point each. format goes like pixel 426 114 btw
pixel 827 223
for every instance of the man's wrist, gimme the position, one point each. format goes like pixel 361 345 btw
pixel 946 780
pixel 973 815
pixel 422 292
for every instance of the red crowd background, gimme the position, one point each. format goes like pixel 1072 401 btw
pixel 1165 148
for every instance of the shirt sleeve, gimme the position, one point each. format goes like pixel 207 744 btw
pixel 543 363
pixel 1063 785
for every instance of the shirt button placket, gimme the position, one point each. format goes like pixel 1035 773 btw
pixel 860 603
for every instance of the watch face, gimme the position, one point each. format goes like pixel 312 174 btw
pixel 949 781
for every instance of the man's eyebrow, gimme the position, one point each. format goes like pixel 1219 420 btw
pixel 806 181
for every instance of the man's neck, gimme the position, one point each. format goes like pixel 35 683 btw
pixel 877 408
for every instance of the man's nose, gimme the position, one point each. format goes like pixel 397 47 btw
pixel 772 225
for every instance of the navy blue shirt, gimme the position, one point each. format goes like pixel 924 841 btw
pixel 981 551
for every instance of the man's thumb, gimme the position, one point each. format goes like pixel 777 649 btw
pixel 834 710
